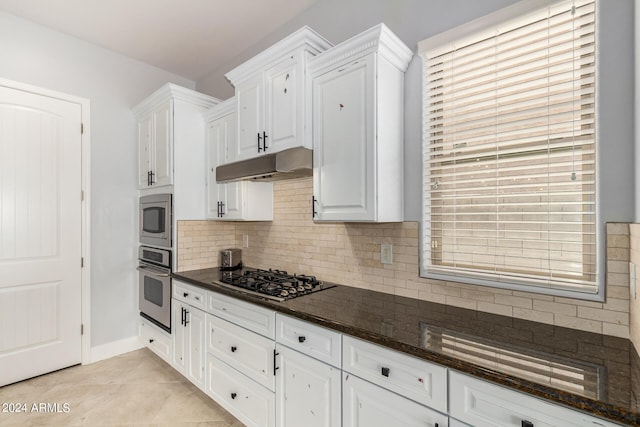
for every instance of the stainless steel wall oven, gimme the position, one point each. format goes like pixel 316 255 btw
pixel 155 285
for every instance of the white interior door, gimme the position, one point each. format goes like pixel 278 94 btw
pixel 40 234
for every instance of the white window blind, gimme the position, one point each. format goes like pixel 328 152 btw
pixel 509 152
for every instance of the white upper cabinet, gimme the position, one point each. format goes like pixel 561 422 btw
pixel 252 201
pixel 272 99
pixel 171 145
pixel 358 120
pixel 155 136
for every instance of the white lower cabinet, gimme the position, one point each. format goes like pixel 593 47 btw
pixel 408 376
pixel 248 352
pixel 308 392
pixel 270 369
pixel 155 339
pixel 241 359
pixel 367 405
pixel 315 341
pixel 189 342
pixel 256 319
pixel 247 400
pixel 481 404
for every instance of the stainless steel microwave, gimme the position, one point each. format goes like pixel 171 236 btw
pixel 155 220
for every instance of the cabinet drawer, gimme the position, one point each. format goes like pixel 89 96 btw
pixel 250 353
pixel 249 316
pixel 480 403
pixel 414 378
pixel 247 400
pixel 156 340
pixel 192 295
pixel 366 404
pixel 315 341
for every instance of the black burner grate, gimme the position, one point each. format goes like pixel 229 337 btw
pixel 277 284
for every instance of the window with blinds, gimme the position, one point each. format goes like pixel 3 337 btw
pixel 510 152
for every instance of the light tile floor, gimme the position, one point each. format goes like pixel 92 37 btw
pixel 133 389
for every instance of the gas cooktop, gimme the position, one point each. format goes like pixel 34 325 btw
pixel 272 284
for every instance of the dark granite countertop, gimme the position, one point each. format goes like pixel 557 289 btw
pixel 596 373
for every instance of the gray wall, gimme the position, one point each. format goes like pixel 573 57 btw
pixel 113 84
pixel 414 20
pixel 637 107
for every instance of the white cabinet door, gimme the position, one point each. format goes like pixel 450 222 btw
pixel 216 146
pixel 145 133
pixel 283 86
pixel 233 201
pixel 367 405
pixel 162 145
pixel 231 195
pixel 358 123
pixel 171 147
pixel 344 143
pixel 155 142
pixel 179 359
pixel 195 320
pixel 189 342
pixel 307 391
pixel 232 198
pixel 250 108
pixel 272 96
pixel 269 112
pixel 224 201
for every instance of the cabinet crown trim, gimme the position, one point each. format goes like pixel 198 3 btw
pixel 224 108
pixel 173 91
pixel 378 39
pixel 303 39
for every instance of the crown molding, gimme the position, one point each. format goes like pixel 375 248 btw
pixel 173 91
pixel 222 109
pixel 304 39
pixel 378 39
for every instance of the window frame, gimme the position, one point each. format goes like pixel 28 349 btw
pixel 487 24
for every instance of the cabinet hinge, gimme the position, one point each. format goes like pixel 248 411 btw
pixel 82 195
pixel 81 329
pixel 81 262
pixel 81 128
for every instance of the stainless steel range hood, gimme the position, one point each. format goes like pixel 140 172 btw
pixel 287 164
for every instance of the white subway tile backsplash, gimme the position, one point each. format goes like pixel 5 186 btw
pixel 350 254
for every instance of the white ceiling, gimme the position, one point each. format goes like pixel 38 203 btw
pixel 187 37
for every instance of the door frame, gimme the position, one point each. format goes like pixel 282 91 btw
pixel 85 139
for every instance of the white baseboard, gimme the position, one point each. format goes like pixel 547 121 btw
pixel 115 348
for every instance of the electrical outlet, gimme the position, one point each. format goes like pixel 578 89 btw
pixel 386 253
pixel 245 240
